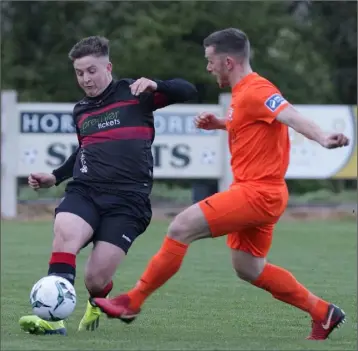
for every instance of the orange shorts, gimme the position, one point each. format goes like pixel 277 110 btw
pixel 247 214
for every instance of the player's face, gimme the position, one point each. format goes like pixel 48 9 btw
pixel 93 74
pixel 217 66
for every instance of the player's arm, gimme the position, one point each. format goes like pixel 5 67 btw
pixel 292 118
pixel 156 94
pixel 268 105
pixel 209 121
pixel 65 171
pixel 47 180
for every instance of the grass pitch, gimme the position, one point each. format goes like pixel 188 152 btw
pixel 204 307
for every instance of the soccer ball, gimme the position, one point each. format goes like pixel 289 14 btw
pixel 53 298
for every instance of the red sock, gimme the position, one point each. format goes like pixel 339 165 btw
pixel 163 265
pixel 284 287
pixel 63 257
pixel 106 290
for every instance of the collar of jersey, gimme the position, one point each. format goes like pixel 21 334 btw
pixel 244 81
pixel 101 96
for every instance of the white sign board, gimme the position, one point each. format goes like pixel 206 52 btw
pixel 39 137
pixel 308 159
pixel 47 139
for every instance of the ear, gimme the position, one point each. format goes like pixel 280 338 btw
pixel 229 62
pixel 109 66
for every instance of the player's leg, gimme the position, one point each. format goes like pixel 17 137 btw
pixel 75 219
pixel 162 266
pixel 215 216
pixel 126 217
pixel 100 268
pixel 71 233
pixel 249 249
pixel 210 218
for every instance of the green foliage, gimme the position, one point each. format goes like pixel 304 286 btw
pixel 325 196
pixel 331 29
pixel 164 39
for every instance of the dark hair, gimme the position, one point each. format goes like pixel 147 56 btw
pixel 229 41
pixel 91 46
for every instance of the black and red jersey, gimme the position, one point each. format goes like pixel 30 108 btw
pixel 115 132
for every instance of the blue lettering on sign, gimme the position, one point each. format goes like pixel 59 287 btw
pixel 274 102
pixel 166 123
pixel 46 122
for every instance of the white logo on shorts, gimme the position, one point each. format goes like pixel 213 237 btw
pixel 126 238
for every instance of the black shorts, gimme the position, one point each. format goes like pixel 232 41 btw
pixel 117 218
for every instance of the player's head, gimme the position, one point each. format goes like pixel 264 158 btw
pixel 90 58
pixel 228 54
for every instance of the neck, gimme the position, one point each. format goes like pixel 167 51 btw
pixel 109 81
pixel 239 75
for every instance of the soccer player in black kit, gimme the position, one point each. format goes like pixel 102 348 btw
pixel 107 202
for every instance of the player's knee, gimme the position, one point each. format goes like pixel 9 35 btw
pixel 179 229
pixel 189 225
pixel 247 274
pixel 64 240
pixel 95 281
pixel 247 266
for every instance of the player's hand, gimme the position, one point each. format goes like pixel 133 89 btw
pixel 41 180
pixel 208 121
pixel 335 140
pixel 143 85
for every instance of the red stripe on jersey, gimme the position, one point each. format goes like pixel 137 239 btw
pixel 160 100
pixel 124 133
pixel 107 108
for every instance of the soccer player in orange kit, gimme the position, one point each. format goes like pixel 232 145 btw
pixel 257 125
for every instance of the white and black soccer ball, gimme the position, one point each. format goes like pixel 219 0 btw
pixel 53 298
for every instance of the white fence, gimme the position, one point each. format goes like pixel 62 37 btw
pixel 38 137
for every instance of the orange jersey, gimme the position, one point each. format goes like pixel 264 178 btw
pixel 258 143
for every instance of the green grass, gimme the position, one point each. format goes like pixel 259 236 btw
pixel 204 307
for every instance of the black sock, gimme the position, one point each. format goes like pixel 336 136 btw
pixel 63 264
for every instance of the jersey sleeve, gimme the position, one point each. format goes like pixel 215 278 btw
pixel 266 102
pixel 65 171
pixel 169 92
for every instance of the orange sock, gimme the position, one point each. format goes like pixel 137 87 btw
pixel 284 287
pixel 163 265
